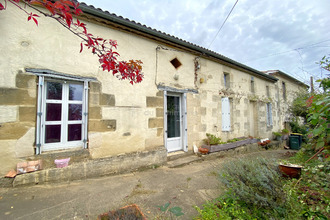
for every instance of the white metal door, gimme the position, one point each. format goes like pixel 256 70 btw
pixel 175 126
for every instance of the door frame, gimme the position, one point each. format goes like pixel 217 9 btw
pixel 183 121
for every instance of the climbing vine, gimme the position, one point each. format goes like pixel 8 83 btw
pixel 64 11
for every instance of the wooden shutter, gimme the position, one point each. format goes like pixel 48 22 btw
pixel 225 108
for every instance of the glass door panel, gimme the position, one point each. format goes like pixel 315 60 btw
pixel 52 133
pixel 74 132
pixel 54 91
pixel 53 112
pixel 173 117
pixel 75 112
pixel 75 92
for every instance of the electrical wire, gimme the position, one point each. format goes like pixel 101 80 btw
pixel 289 51
pixel 223 24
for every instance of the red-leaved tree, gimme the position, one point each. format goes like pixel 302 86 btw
pixel 63 12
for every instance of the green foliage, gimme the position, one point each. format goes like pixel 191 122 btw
pixel 233 140
pixel 277 134
pixel 177 211
pixel 255 181
pixel 325 63
pixel 255 190
pixel 224 207
pixel 324 84
pixel 285 131
pixel 319 111
pixel 319 119
pixel 315 108
pixel 312 189
pixel 212 139
pixel 299 106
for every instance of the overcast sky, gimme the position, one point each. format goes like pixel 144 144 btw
pixel 288 35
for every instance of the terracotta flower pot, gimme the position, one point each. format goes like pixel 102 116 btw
pixel 203 150
pixel 292 171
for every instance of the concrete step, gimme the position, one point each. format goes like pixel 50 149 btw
pixel 182 161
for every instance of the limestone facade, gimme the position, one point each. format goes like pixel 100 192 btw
pixel 123 118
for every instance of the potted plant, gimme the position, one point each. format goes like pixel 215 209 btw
pixel 285 133
pixel 277 136
pixel 211 139
pixel 264 143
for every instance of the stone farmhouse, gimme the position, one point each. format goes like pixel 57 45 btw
pixel 54 99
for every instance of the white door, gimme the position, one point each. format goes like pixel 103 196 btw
pixel 175 126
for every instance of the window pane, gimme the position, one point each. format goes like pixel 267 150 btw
pixel 53 112
pixel 54 90
pixel 74 132
pixel 173 117
pixel 75 92
pixel 53 133
pixel 75 111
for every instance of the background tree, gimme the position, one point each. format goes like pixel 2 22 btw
pixel 64 11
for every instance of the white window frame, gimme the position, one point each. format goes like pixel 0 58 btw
pixel 64 143
pixel 45 75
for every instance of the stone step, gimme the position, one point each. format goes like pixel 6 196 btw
pixel 182 161
pixel 178 154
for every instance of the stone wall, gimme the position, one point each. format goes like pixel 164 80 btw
pixel 18 119
pixel 97 100
pixel 124 118
pixel 156 124
pixel 96 168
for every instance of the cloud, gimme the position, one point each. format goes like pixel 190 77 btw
pixel 261 34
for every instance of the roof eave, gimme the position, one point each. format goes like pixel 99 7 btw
pixel 146 30
pixel 290 77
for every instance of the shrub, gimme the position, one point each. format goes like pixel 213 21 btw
pixel 285 131
pixel 255 190
pixel 255 181
pixel 277 134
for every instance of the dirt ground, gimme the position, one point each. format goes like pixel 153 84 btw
pixel 184 187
